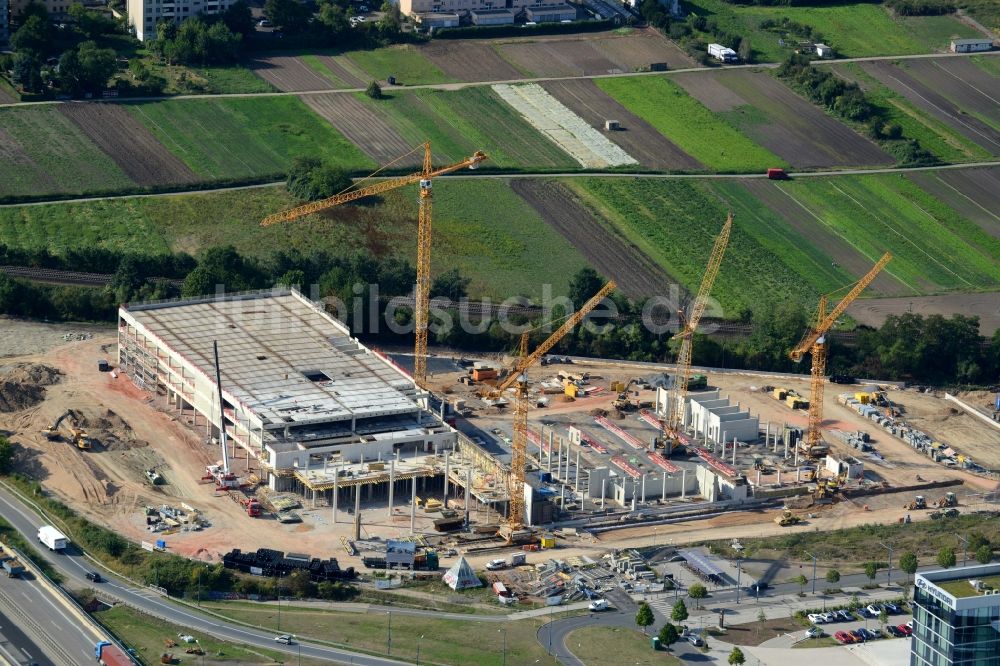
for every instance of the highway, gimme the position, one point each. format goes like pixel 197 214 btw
pixel 74 566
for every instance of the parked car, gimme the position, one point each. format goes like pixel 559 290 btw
pixel 94 577
pixel 876 633
pixel 893 631
pixel 873 610
pixel 893 608
pixel 814 632
pixel 842 637
pixel 906 631
pixel 494 565
pixel 816 618
pixel 858 638
pixel 284 639
pixel 695 640
pixel 830 617
pixel 845 614
pixel 264 23
pixel 910 624
pixel 757 588
pixel 598 605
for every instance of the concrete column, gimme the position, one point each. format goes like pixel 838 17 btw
pixel 758 478
pixel 413 505
pixel 550 451
pixel 734 452
pixel 469 498
pixel 798 474
pixel 796 455
pixel 779 476
pixel 333 501
pixel 357 512
pixel 643 487
pixel 664 494
pixel 447 473
pixel 392 486
pixel 567 458
pixel 683 483
pixel 785 442
pixel 576 477
pixel 604 483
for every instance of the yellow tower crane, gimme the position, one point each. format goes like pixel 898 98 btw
pixel 518 377
pixel 814 342
pixel 422 296
pixel 686 334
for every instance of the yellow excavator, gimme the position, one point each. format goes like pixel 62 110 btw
pixel 78 437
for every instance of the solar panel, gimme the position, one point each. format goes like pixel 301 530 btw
pixel 699 562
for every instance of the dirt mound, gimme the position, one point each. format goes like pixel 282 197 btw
pixel 22 385
pixel 110 430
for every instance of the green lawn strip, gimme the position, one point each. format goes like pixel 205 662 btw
pixel 147 635
pixel 596 645
pixel 853 30
pixel 460 122
pixel 233 79
pixel 770 231
pixel 315 64
pixel 822 641
pixel 877 213
pixel 675 223
pixel 685 121
pixel 240 137
pixel 62 158
pixel 404 61
pixel 940 139
pixel 989 64
pixel 9 89
pixel 443 641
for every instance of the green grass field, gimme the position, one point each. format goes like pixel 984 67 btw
pixel 403 61
pixel 458 123
pixel 146 635
pixel 685 121
pixel 441 641
pixel 42 152
pixel 940 139
pixel 675 223
pixel 990 65
pixel 934 248
pixel 853 30
pixel 236 138
pixel 315 64
pixel 485 230
pixel 629 646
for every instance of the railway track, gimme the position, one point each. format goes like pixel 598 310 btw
pixel 58 276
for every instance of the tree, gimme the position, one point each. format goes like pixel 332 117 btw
pixel 984 554
pixel 374 90
pixel 583 285
pixel 802 581
pixel 883 618
pixel 300 584
pixel 833 576
pixel 871 570
pixel 6 455
pixel 90 23
pixel 34 35
pixel 644 616
pixel 946 557
pixel 761 619
pixel 450 284
pixel 238 18
pixel 908 563
pixel 668 635
pixel 311 179
pixel 86 68
pixel 745 51
pixel 291 16
pixel 736 657
pixel 854 603
pixel 27 71
pixel 679 612
pixel 697 592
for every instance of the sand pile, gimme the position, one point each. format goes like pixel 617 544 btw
pixel 110 430
pixel 22 385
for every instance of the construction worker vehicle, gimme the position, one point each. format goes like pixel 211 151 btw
pixel 77 436
pixel 919 502
pixel 949 500
pixel 249 504
pixel 622 403
pixel 787 519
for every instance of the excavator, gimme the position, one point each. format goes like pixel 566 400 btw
pixel 513 528
pixel 622 403
pixel 78 437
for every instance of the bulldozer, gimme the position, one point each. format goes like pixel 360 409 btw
pixel 949 500
pixel 918 503
pixel 787 518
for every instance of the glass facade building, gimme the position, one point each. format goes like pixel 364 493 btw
pixel 956 617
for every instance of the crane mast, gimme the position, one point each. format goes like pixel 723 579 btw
pixel 518 377
pixel 686 334
pixel 424 178
pixel 815 343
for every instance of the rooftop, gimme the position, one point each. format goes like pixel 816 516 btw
pixel 962 587
pixel 972 40
pixel 281 356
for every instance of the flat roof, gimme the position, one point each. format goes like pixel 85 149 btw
pixel 281 356
pixel 972 40
pixel 962 587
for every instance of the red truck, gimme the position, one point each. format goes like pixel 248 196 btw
pixel 109 654
pixel 777 174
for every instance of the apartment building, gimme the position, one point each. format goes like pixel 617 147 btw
pixel 4 18
pixel 55 8
pixel 489 12
pixel 143 15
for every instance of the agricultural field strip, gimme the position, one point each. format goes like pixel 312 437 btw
pixel 970 199
pixel 966 82
pixel 554 119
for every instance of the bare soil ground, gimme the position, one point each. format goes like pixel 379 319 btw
pixel 948 423
pixel 289 74
pixel 973 193
pixel 610 254
pixel 935 100
pixel 986 305
pixel 604 54
pixel 12 153
pixel 365 127
pixel 969 87
pixel 20 337
pixel 6 98
pixel 637 137
pixel 792 127
pixel 133 148
pixel 470 60
pixel 348 75
pixel 835 247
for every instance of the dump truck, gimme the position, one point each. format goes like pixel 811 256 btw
pixel 11 565
pixel 52 538
pixel 786 519
pixel 109 654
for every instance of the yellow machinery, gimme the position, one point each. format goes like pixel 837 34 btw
pixel 423 177
pixel 786 519
pixel 815 343
pixel 686 334
pixel 518 377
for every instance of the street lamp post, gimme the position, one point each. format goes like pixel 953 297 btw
pixel 739 571
pixel 418 648
pixel 889 574
pixel 814 571
pixel 388 635
pixel 277 593
pixel 965 548
pixel 504 631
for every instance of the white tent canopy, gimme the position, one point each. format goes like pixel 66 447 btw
pixel 461 576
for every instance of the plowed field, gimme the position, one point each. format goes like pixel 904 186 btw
pixel 290 74
pixel 133 148
pixel 986 306
pixel 610 254
pixel 935 97
pixel 6 98
pixel 973 193
pixel 781 121
pixel 363 126
pixel 637 137
pixel 468 60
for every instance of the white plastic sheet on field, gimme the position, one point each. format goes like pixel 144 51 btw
pixel 570 132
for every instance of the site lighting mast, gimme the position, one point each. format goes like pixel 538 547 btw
pixel 815 343
pixel 518 377
pixel 421 306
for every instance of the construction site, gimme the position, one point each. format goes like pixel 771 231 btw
pixel 330 447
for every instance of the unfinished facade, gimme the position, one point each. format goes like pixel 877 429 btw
pixel 300 396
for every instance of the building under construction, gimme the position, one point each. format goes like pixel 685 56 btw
pixel 309 408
